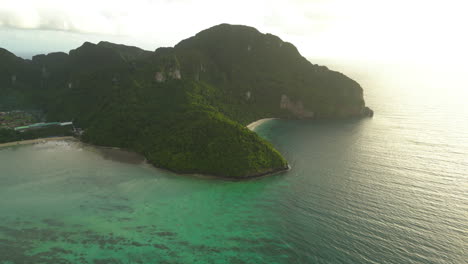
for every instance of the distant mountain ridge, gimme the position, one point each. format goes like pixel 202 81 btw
pixel 185 108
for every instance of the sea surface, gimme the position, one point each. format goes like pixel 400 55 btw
pixel 391 189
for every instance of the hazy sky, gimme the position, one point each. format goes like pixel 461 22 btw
pixel 369 29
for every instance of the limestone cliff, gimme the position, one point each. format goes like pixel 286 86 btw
pixel 185 108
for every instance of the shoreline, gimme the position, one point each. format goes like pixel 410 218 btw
pixel 34 141
pixel 257 123
pixel 123 155
pixel 198 175
pixel 118 154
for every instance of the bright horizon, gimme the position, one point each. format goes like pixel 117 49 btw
pixel 364 29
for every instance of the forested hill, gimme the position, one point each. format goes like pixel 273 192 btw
pixel 185 108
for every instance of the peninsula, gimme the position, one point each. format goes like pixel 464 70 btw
pixel 184 108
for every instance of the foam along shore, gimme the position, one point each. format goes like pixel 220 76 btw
pixel 257 123
pixel 33 141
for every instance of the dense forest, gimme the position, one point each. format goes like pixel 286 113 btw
pixel 10 135
pixel 185 108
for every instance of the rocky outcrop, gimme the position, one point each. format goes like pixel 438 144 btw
pixel 175 74
pixel 248 95
pixel 367 112
pixel 159 77
pixel 296 108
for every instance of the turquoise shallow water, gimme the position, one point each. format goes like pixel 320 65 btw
pixel 392 189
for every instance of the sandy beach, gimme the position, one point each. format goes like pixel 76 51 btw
pixel 120 155
pixel 33 141
pixel 255 124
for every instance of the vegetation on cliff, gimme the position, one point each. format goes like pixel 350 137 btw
pixel 10 135
pixel 185 107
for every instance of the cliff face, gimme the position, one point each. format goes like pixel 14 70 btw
pixel 185 107
pixel 242 60
pixel 296 108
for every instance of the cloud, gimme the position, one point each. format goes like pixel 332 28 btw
pixel 76 16
pixel 149 17
pixel 323 27
pixel 163 22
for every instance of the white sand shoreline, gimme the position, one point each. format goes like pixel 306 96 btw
pixel 257 123
pixel 33 141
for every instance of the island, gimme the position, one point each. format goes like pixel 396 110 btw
pixel 185 108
